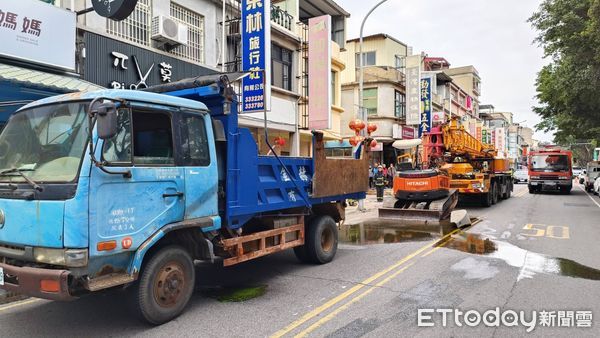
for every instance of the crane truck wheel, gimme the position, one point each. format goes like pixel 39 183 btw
pixel 495 193
pixel 165 286
pixel 487 199
pixel 321 239
pixel 509 188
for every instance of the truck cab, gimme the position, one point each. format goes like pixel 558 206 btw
pixel 550 169
pixel 161 180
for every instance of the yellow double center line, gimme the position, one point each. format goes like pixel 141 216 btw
pixel 365 283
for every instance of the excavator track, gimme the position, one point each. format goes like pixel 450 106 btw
pixel 421 212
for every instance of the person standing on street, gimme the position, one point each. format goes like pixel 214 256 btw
pixel 380 182
pixel 391 174
pixel 370 177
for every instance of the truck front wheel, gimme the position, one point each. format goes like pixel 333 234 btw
pixel 321 241
pixel 166 285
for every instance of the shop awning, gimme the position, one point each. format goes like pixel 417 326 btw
pixel 46 81
pixel 19 86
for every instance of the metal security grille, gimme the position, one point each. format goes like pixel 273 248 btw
pixel 195 23
pixel 136 27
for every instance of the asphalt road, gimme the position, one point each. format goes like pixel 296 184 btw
pixel 529 253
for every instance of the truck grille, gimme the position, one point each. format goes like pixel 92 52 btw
pixel 549 177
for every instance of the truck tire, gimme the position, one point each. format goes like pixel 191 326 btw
pixel 321 239
pixel 165 286
pixel 531 189
pixel 509 188
pixel 487 199
pixel 302 254
pixel 495 193
pixel 566 190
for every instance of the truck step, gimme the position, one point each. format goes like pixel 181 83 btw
pixel 262 243
pixel 109 281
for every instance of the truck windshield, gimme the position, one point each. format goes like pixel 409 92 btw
pixel 550 163
pixel 44 143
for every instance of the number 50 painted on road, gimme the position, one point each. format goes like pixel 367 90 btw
pixel 550 231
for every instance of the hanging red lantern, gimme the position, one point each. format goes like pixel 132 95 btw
pixel 372 127
pixel 280 141
pixel 357 125
pixel 373 144
pixel 355 140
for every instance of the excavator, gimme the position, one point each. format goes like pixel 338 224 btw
pixel 450 162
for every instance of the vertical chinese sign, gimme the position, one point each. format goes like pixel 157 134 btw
pixel 256 55
pixel 425 125
pixel 413 98
pixel 319 72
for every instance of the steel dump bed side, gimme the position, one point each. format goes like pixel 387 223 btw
pixel 251 184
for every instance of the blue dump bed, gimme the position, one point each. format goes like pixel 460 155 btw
pixel 255 185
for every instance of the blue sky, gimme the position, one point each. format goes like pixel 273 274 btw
pixel 492 35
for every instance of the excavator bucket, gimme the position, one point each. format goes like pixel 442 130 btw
pixel 421 212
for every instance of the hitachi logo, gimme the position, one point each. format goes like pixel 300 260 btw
pixel 417 183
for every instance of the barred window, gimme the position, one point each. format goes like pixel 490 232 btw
pixel 136 27
pixel 195 22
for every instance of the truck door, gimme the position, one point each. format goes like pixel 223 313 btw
pixel 198 159
pixel 129 210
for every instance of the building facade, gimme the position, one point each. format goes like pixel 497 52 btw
pixel 211 44
pixel 384 94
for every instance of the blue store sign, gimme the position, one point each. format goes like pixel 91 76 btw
pixel 256 53
pixel 425 125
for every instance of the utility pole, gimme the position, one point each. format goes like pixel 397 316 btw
pixel 362 113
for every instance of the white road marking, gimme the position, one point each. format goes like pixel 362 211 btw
pixel 590 196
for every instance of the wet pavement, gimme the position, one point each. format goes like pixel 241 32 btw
pixel 528 253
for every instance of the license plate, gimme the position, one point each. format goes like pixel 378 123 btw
pixel 550 183
pixel 1 276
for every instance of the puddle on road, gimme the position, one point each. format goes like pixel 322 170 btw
pixel 380 231
pixel 529 263
pixel 234 294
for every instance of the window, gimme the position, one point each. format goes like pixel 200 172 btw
pixel 368 59
pixel 399 105
pixel 370 100
pixel 152 139
pixel 399 62
pixel 332 87
pixel 194 142
pixel 136 27
pixel 195 23
pixel 281 67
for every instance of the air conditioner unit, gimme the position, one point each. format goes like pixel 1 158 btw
pixel 167 31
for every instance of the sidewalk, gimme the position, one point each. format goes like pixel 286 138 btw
pixel 354 216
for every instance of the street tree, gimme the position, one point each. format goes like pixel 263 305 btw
pixel 568 88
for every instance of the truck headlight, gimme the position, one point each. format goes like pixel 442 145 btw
pixel 75 258
pixel 534 177
pixel 563 178
pixel 476 185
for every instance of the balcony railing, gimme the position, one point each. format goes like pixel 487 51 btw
pixel 281 17
pixel 381 73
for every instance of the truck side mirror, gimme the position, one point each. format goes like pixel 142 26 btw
pixel 106 119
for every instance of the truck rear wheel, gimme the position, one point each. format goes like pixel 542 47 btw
pixel 509 188
pixel 321 241
pixel 165 286
pixel 495 193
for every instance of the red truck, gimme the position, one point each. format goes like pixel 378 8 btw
pixel 550 169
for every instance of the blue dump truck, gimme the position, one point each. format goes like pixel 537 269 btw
pixel 125 189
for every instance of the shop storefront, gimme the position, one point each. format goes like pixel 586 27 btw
pixel 37 54
pixel 119 65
